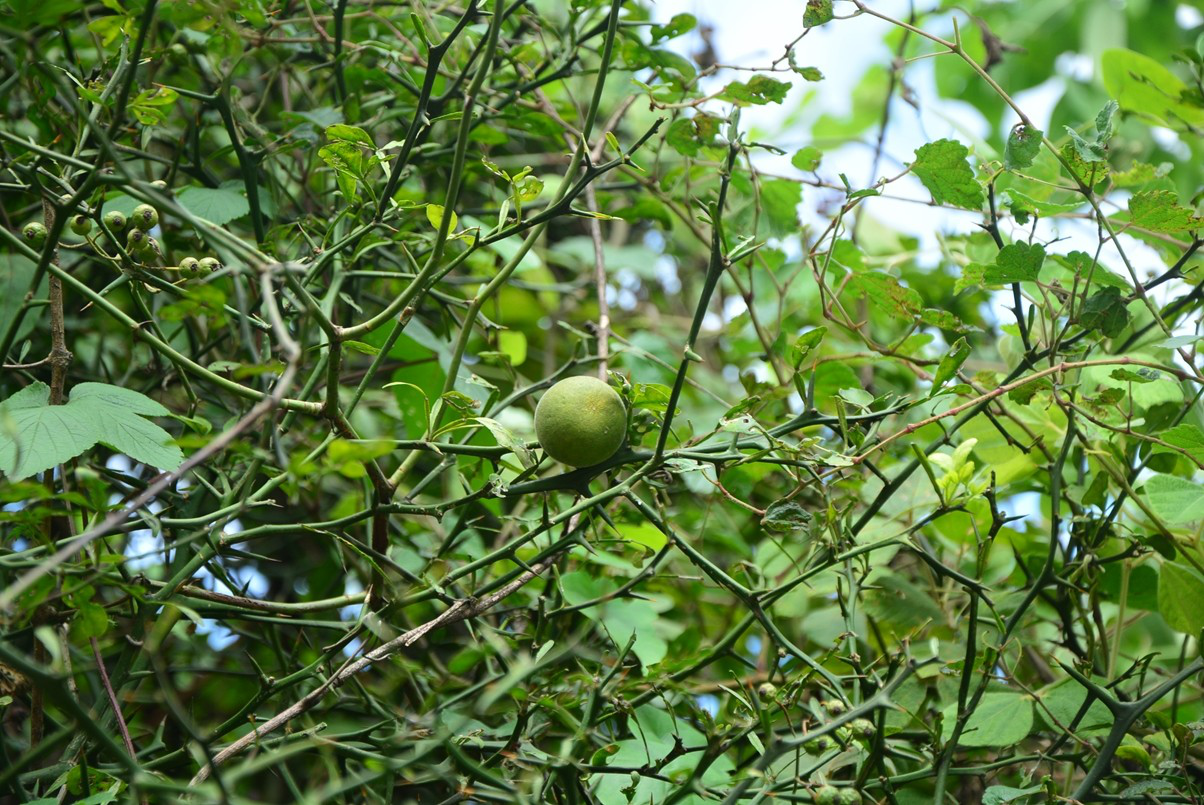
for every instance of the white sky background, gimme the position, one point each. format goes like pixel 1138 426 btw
pixel 755 32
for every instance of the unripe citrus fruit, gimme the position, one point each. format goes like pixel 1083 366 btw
pixel 35 233
pixel 145 217
pixel 81 224
pixel 137 241
pixel 115 221
pixel 580 421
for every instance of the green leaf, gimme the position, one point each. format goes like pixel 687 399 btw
pixel 1181 597
pixel 887 293
pixel 943 169
pixel 1105 311
pixel 219 205
pixel 785 517
pixel 1144 87
pixel 1016 262
pixel 779 201
pixel 680 24
pixel 434 214
pixel 807 159
pixel 35 436
pixel 1001 719
pixel 757 91
pixel 947 369
pixel 1176 501
pixel 1002 794
pixel 806 343
pixel 16 273
pixel 1022 147
pixel 1160 211
pixel 818 12
pixel 150 107
pixel 1187 438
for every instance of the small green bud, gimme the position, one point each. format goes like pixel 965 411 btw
pixel 115 221
pixel 145 217
pixel 81 224
pixel 159 184
pixel 35 233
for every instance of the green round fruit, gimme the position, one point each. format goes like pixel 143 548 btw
pixel 35 233
pixel 208 265
pixel 137 241
pixel 159 184
pixel 115 221
pixel 580 421
pixel 817 746
pixel 863 728
pixel 81 224
pixel 145 217
pixel 834 706
pixel 826 795
pixel 190 268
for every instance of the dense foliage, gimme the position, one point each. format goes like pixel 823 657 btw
pixel 909 508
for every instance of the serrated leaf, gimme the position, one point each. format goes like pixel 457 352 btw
pixel 943 169
pixel 1160 211
pixel 818 12
pixel 1105 311
pixel 1016 262
pixel 1022 147
pixel 757 91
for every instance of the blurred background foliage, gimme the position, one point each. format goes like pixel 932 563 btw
pixel 872 562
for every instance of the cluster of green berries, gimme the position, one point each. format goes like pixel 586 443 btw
pixel 138 241
pixel 831 795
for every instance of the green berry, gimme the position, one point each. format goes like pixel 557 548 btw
pixel 862 728
pixel 159 184
pixel 81 224
pixel 145 217
pixel 817 746
pixel 177 53
pixel 826 795
pixel 190 268
pixel 35 233
pixel 137 241
pixel 115 221
pixel 834 706
pixel 208 265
